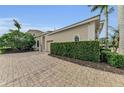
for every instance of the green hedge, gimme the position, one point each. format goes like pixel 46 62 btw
pixel 83 50
pixel 114 59
pixel 103 57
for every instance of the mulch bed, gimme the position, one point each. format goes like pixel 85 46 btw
pixel 99 66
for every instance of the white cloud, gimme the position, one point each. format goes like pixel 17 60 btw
pixel 3 31
pixel 7 23
pixel 26 28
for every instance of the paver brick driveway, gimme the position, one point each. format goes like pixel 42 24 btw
pixel 39 69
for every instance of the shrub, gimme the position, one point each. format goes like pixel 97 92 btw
pixel 103 52
pixel 103 56
pixel 114 59
pixel 83 50
pixel 17 40
pixel 104 49
pixel 4 50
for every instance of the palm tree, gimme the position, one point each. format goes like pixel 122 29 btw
pixel 114 38
pixel 121 27
pixel 106 9
pixel 17 25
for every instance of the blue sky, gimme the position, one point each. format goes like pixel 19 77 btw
pixel 47 17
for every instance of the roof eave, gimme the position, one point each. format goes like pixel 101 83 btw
pixel 76 24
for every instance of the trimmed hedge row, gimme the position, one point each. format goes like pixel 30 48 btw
pixel 83 50
pixel 114 59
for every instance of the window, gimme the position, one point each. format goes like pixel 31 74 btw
pixel 76 39
pixel 37 43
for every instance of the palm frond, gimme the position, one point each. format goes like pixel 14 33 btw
pixel 111 10
pixel 102 8
pixel 98 7
pixel 113 29
pixel 94 8
pixel 16 23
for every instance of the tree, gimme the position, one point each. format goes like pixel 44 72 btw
pixel 121 27
pixel 18 40
pixel 1 42
pixel 114 36
pixel 28 41
pixel 17 25
pixel 106 9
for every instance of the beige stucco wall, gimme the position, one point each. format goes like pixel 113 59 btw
pixel 91 31
pixel 85 32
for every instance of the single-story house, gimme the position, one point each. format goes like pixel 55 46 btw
pixel 81 31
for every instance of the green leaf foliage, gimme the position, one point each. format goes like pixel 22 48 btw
pixel 83 50
pixel 114 59
pixel 17 40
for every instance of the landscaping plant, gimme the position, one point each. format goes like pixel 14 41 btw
pixel 17 40
pixel 114 59
pixel 83 50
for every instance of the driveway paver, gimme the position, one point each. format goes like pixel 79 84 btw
pixel 34 69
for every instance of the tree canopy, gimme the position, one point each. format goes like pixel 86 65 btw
pixel 16 39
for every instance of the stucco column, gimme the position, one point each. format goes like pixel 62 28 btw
pixel 121 28
pixel 39 47
pixel 91 31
